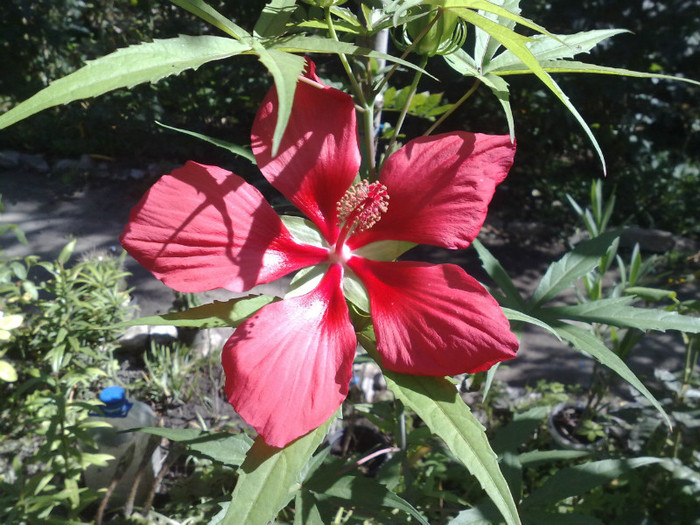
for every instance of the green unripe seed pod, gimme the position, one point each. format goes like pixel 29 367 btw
pixel 445 35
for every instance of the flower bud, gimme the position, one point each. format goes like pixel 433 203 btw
pixel 446 35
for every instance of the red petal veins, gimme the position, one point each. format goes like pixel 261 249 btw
pixel 440 188
pixel 202 228
pixel 319 154
pixel 433 319
pixel 288 367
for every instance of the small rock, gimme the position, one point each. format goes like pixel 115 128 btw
pixel 66 165
pixel 86 163
pixel 163 335
pixel 9 159
pixel 135 337
pixel 140 337
pixel 210 340
pixel 657 241
pixel 528 230
pixel 35 162
pixel 686 245
pixel 137 174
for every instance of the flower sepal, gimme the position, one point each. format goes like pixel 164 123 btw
pixel 303 231
pixel 384 250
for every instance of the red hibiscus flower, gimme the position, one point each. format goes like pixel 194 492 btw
pixel 288 367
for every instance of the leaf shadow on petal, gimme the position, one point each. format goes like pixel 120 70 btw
pixel 202 228
pixel 440 187
pixel 318 156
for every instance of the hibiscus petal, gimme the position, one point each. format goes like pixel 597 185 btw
pixel 319 154
pixel 202 228
pixel 289 366
pixel 433 319
pixel 440 188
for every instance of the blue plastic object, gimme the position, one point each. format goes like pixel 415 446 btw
pixel 116 403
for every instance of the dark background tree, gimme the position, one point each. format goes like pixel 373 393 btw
pixel 648 130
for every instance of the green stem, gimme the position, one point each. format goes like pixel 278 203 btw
pixel 368 128
pixel 368 107
pixel 403 442
pixel 453 108
pixel 691 359
pixel 393 69
pixel 412 91
pixel 344 60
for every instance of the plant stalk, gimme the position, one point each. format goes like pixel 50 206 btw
pixel 453 108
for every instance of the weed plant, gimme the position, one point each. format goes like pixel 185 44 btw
pixel 63 352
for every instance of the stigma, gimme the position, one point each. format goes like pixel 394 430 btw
pixel 362 206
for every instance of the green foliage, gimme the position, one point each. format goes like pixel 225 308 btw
pixel 60 356
pixel 424 105
pixel 65 350
pixel 49 40
pixel 269 478
pixel 439 405
pixel 649 125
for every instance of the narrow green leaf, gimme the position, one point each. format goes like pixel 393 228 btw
pixel 274 17
pixel 285 69
pixel 438 404
pixel 494 270
pixel 649 294
pixel 316 44
pixel 571 267
pixel 460 6
pixel 228 449
pixel 501 91
pixel 537 457
pixel 516 43
pixel 485 46
pixel 341 26
pixel 127 67
pixel 216 314
pixel 483 514
pixel 461 62
pixel 488 383
pixel 67 252
pixel 363 492
pixel 213 17
pixel 346 15
pixel 233 148
pixel 347 22
pixel 515 315
pixel 577 480
pixel 545 48
pixel 306 510
pixel 511 436
pixel 619 312
pixel 573 66
pixel 588 343
pixel 270 477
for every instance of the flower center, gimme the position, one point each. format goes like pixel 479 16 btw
pixel 361 208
